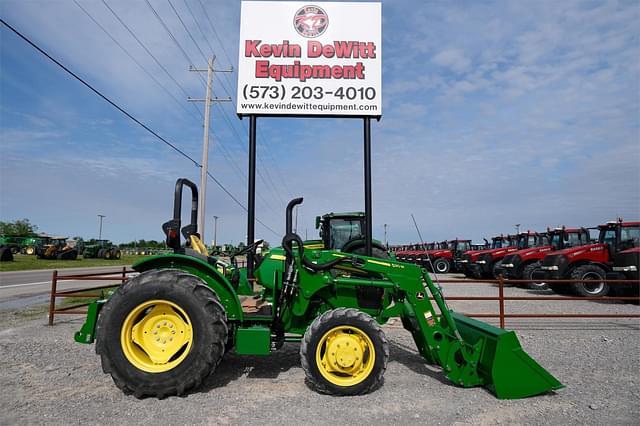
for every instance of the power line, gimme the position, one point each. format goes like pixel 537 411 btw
pixel 187 30
pixel 224 151
pixel 130 31
pixel 123 111
pixel 193 16
pixel 268 180
pixel 205 59
pixel 214 31
pixel 150 54
pixel 175 40
pixel 151 76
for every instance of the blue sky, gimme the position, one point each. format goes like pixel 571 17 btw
pixel 494 113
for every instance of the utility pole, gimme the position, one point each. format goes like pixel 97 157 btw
pixel 101 216
pixel 215 232
pixel 204 167
pixel 386 244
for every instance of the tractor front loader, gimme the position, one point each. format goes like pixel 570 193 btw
pixel 165 330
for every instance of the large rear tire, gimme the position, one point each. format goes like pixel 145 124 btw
pixel 161 333
pixel 593 281
pixel 344 352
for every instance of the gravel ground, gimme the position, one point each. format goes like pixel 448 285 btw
pixel 46 378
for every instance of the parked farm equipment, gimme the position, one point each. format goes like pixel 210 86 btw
pixel 447 259
pixel 101 249
pixel 165 330
pixel 522 263
pixel 55 248
pixel 485 263
pixel 626 265
pixel 589 263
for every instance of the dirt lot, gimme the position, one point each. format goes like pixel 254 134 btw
pixel 47 378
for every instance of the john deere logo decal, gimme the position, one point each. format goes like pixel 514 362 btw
pixel 311 21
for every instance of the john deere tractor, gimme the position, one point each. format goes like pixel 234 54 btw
pixel 101 249
pixel 165 330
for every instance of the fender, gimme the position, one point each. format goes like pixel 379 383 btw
pixel 206 272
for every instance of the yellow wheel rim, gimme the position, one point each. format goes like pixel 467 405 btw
pixel 345 356
pixel 156 336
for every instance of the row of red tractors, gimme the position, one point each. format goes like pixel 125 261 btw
pixel 558 254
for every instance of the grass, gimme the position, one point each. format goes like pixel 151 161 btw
pixel 28 263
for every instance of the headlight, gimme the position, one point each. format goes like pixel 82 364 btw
pixel 507 265
pixel 464 261
pixel 549 268
pixel 631 268
pixel 481 262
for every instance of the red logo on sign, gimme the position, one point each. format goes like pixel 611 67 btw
pixel 310 21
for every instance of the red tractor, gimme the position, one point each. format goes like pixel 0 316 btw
pixel 487 263
pixel 522 263
pixel 446 258
pixel 626 265
pixel 479 264
pixel 410 252
pixel 589 263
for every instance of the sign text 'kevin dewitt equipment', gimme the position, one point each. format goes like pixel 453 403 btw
pixel 315 49
pixel 310 59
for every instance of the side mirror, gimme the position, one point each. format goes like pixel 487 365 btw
pixel 318 220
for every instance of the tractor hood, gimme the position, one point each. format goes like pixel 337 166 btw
pixel 473 254
pixel 631 250
pixel 577 251
pixel 499 252
pixel 439 252
pixel 532 252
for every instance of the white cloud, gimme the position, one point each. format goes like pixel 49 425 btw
pixel 454 59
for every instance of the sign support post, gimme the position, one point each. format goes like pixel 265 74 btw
pixel 367 187
pixel 251 194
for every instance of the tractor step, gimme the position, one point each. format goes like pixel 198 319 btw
pixel 255 306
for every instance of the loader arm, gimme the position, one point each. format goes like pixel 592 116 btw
pixel 470 352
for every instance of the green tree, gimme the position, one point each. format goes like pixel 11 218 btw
pixel 19 228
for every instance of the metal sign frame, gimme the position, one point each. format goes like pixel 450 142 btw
pixel 251 192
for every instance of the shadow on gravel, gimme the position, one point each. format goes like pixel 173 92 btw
pixel 234 366
pixel 411 359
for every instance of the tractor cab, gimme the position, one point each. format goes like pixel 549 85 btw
pixel 500 242
pixel 338 229
pixel 531 239
pixel 561 238
pixel 619 236
pixel 346 232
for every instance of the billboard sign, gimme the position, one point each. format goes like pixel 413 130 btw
pixel 316 58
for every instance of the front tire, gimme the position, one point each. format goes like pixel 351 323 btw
pixel 344 352
pixel 161 333
pixel 527 274
pixel 587 288
pixel 442 266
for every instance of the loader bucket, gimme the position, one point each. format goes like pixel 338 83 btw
pixel 506 369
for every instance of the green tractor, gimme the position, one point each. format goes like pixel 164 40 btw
pixel 165 330
pixel 101 249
